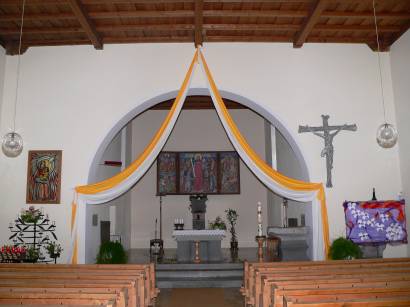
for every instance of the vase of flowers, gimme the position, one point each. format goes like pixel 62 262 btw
pixel 218 223
pixel 232 217
pixel 31 215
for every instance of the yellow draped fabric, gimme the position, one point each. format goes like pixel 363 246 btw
pixel 289 183
pixel 115 180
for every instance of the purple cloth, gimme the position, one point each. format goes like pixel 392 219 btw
pixel 375 222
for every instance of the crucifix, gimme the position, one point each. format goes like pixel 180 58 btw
pixel 327 133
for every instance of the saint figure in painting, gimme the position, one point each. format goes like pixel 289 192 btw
pixel 198 175
pixel 44 180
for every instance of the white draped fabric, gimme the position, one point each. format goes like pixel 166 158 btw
pixel 292 189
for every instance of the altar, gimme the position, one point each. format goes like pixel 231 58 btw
pixel 204 244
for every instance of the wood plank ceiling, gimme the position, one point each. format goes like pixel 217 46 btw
pixel 99 22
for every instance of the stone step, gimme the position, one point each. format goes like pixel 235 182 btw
pixel 203 275
pixel 167 283
pixel 199 273
pixel 199 266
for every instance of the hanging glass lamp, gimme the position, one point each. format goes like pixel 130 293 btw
pixel 386 135
pixel 12 144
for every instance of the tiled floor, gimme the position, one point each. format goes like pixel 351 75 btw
pixel 205 297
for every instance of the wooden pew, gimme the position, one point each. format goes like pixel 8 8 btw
pixel 139 280
pixel 280 289
pixel 382 298
pixel 256 273
pixel 250 279
pixel 28 279
pixel 45 298
pixel 322 275
pixel 150 290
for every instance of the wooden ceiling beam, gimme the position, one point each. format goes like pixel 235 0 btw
pixel 206 13
pixel 87 24
pixel 57 2
pixel 310 22
pixel 365 14
pixel 285 39
pixel 38 16
pixel 396 36
pixel 199 21
pixel 190 27
pixel 41 30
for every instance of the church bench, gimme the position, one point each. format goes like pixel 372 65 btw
pixel 27 279
pixel 249 268
pixel 79 299
pixel 382 298
pixel 150 289
pixel 267 280
pixel 255 272
pixel 341 289
pixel 263 279
pixel 273 291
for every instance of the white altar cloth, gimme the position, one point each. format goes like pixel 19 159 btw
pixel 199 235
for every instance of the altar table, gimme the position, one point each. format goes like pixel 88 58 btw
pixel 208 242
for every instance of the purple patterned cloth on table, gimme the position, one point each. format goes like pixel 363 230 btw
pixel 375 222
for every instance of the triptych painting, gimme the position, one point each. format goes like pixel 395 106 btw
pixel 198 173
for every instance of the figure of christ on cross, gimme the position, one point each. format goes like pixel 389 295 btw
pixel 327 133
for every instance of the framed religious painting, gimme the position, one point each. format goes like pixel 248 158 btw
pixel 198 172
pixel 44 177
pixel 167 182
pixel 229 173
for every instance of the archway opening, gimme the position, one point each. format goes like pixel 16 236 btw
pixel 275 144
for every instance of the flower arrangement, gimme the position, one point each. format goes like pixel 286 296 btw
pixel 31 215
pixel 11 253
pixel 218 223
pixel 54 249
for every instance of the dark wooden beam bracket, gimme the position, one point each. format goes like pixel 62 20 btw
pixel 86 23
pixel 310 23
pixel 199 21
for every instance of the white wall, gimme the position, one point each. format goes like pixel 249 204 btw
pixel 72 96
pixel 93 233
pixel 400 63
pixel 196 130
pixel 123 203
pixel 2 73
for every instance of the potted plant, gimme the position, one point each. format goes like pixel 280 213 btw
pixel 111 253
pixel 32 254
pixel 31 215
pixel 342 249
pixel 54 250
pixel 232 217
pixel 218 223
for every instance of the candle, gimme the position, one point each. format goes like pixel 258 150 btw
pixel 259 219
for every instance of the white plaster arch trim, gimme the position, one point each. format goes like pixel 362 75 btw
pixel 254 106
